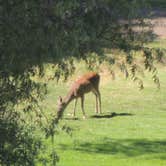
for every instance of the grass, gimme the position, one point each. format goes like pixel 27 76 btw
pixel 157 44
pixel 131 130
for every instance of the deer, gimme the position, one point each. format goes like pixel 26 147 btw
pixel 89 82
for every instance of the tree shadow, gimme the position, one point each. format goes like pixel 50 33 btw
pixel 126 147
pixel 113 114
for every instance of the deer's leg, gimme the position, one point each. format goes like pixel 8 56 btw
pixel 75 104
pixel 82 106
pixel 96 110
pixel 96 95
pixel 99 97
pixel 98 100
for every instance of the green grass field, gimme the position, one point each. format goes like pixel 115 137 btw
pixel 161 43
pixel 135 135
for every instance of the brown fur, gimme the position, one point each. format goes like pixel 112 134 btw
pixel 85 84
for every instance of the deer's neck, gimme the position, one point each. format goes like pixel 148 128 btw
pixel 70 96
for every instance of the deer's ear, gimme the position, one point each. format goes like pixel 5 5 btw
pixel 60 99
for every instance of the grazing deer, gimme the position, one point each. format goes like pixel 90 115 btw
pixel 87 83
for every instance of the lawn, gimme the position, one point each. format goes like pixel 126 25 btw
pixel 130 132
pixel 161 43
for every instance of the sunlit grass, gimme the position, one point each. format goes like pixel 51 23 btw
pixel 161 43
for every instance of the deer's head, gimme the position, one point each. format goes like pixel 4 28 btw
pixel 60 108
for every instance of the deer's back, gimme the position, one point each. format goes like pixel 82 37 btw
pixel 86 83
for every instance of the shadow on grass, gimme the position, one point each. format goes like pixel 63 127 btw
pixel 113 114
pixel 110 115
pixel 127 147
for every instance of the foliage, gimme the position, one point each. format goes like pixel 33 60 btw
pixel 157 3
pixel 18 145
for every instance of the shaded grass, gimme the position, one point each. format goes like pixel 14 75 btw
pixel 124 147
